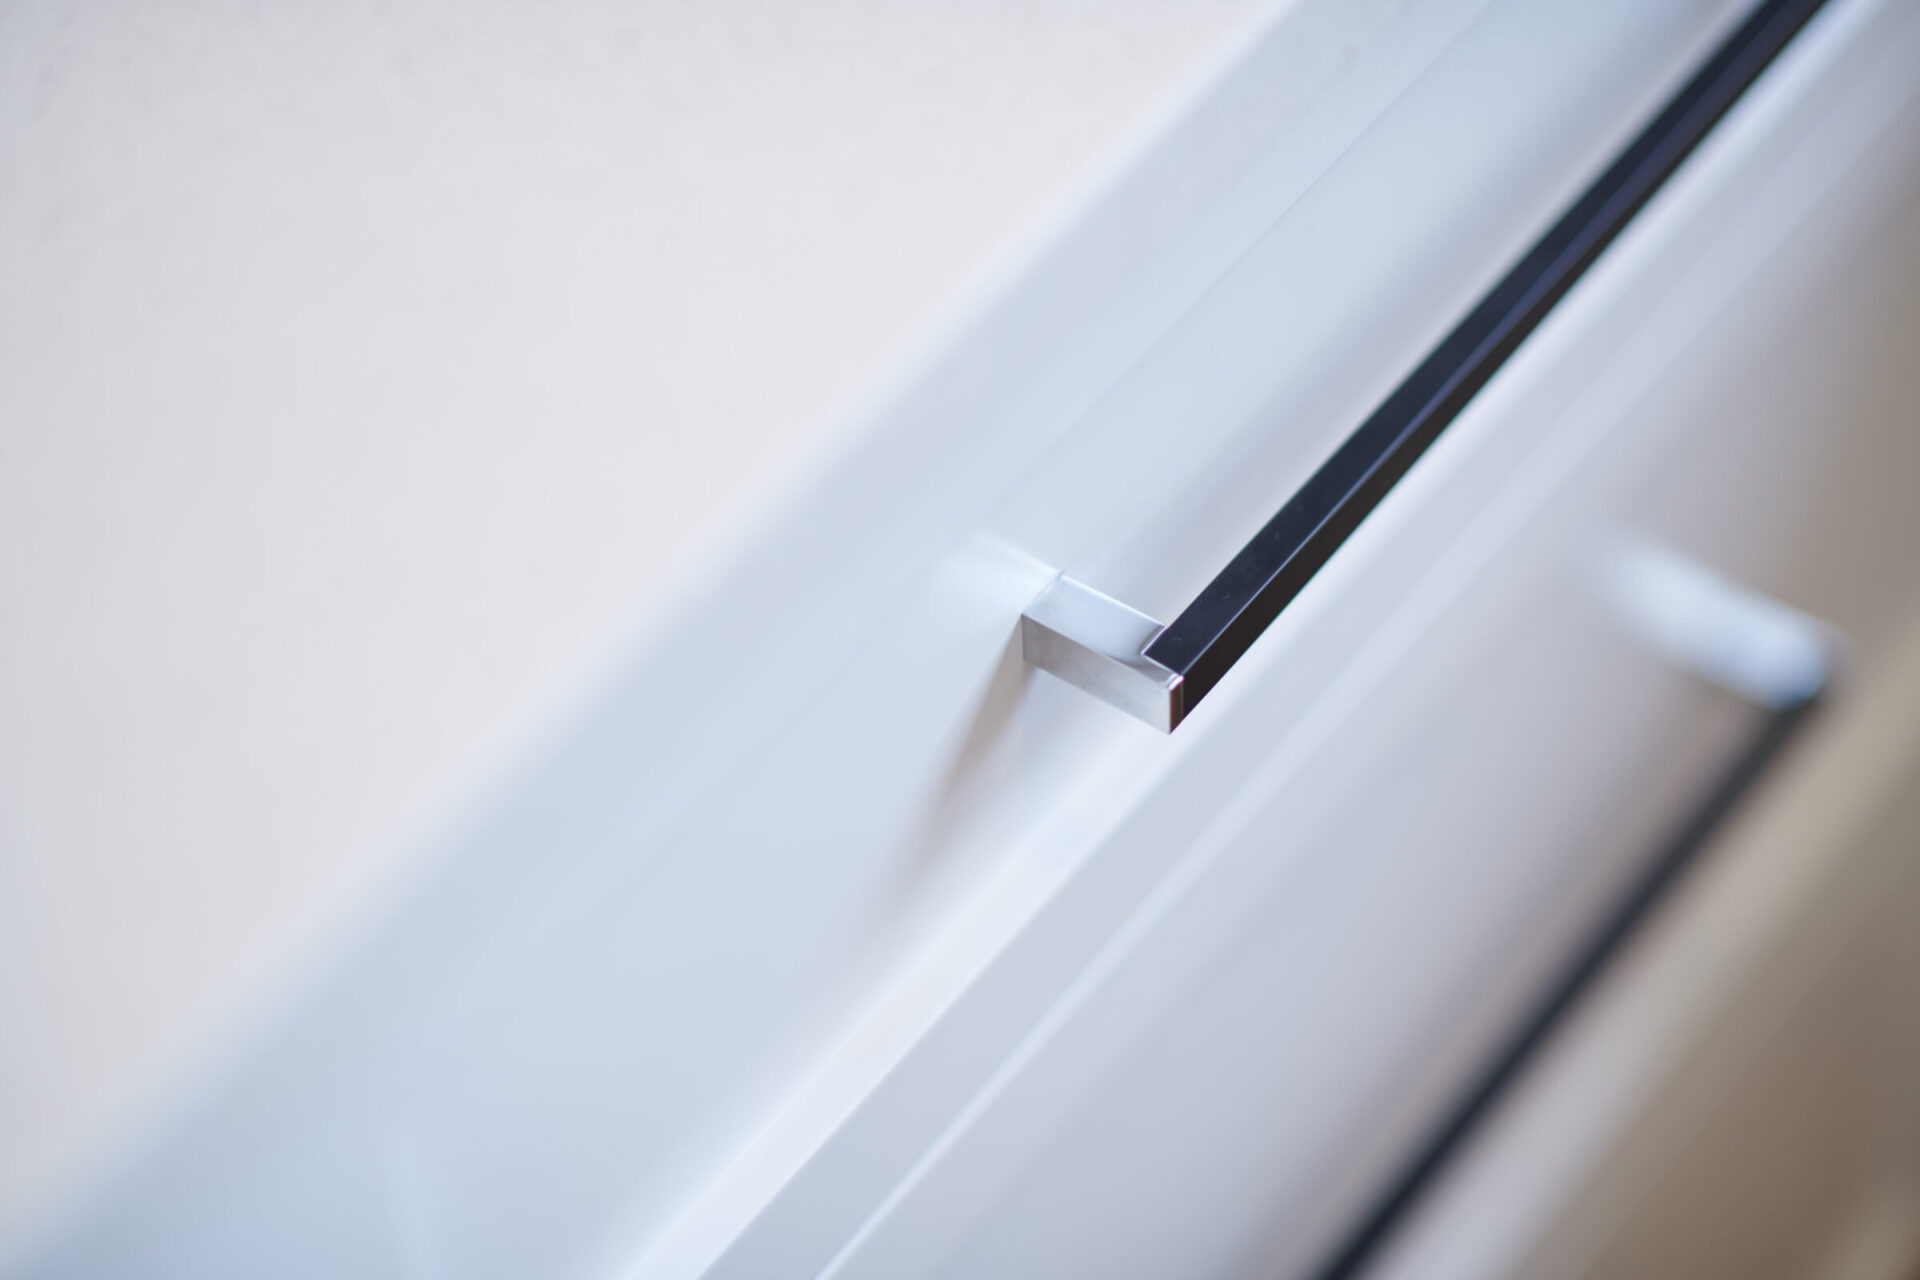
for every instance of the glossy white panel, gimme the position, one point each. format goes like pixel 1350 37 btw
pixel 1265 1036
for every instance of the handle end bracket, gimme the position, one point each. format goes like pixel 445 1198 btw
pixel 1098 644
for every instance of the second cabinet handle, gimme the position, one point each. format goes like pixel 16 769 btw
pixel 1160 673
pixel 1781 662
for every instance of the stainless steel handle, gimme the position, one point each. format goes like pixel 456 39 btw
pixel 1780 661
pixel 1160 673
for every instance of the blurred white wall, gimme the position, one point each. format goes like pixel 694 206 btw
pixel 367 369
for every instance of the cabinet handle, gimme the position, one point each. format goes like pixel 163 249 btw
pixel 1160 673
pixel 1781 662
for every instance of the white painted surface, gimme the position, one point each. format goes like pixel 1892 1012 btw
pixel 366 373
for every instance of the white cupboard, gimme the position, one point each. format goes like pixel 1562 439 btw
pixel 830 938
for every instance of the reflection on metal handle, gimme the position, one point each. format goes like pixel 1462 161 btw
pixel 1161 673
pixel 1782 662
